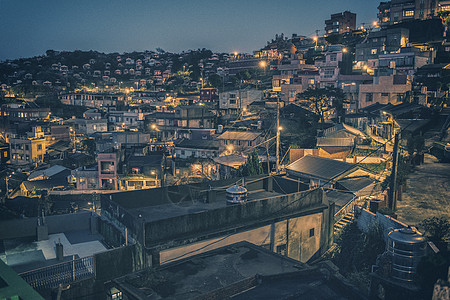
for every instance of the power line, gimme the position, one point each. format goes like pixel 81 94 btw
pixel 294 201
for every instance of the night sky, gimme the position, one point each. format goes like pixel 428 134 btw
pixel 30 27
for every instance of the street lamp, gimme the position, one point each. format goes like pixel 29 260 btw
pixel 315 39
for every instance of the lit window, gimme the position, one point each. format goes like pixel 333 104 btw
pixel 374 51
pixel 408 13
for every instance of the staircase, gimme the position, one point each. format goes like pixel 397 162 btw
pixel 347 219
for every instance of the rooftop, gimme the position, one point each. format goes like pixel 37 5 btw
pixel 25 254
pixel 239 135
pixel 240 271
pixel 319 167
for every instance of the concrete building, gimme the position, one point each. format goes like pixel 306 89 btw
pixel 87 127
pixel 340 23
pixel 233 102
pixel 86 178
pixel 208 95
pixel 239 271
pixel 382 41
pixel 107 171
pixel 329 67
pixel 92 100
pixel 397 11
pixel 29 149
pixel 284 220
pixel 405 62
pixel 384 90
pixel 120 120
pixel 20 113
pixel 235 141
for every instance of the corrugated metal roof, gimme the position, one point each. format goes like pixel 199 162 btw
pixel 47 173
pixel 319 167
pixel 239 135
pixel 335 142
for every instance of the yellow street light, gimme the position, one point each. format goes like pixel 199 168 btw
pixel 280 128
pixel 315 39
pixel 262 64
pixel 344 50
pixel 153 126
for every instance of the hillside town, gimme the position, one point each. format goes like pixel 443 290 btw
pixel 315 167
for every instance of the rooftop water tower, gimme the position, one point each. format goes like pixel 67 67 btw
pixel 236 195
pixel 406 248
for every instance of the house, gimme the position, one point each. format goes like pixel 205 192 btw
pixel 239 140
pixel 87 127
pixel 386 40
pixel 107 171
pixel 86 177
pixel 53 178
pixel 384 90
pixel 397 11
pixel 208 95
pixel 340 23
pixel 329 66
pixel 234 102
pixel 203 221
pixel 29 149
pixel 195 158
pixel 319 171
pixel 335 147
pixel 125 119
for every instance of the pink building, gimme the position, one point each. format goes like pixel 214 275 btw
pixel 107 171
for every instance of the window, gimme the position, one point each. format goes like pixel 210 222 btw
pixel 369 97
pixel 311 232
pixel 27 157
pixel 27 147
pixel 374 51
pixel 333 57
pixel 328 73
pixel 39 146
pixel 408 13
pixel 250 143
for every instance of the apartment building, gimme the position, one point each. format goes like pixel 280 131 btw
pixel 340 23
pixel 29 149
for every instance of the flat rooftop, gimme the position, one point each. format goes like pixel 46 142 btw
pixel 238 271
pixel 175 209
pixel 25 254
pixel 206 272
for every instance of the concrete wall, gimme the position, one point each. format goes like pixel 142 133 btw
pixel 230 216
pixel 59 223
pixel 366 220
pixel 289 237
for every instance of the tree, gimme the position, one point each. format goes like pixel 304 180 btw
pixel 252 166
pixel 215 80
pixel 437 229
pixel 321 100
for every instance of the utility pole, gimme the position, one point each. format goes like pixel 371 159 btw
pixel 393 180
pixel 278 136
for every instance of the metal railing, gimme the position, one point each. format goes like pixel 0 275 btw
pixel 62 273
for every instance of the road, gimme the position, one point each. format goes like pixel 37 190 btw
pixel 427 193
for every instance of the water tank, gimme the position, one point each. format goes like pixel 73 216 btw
pixel 236 195
pixel 406 248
